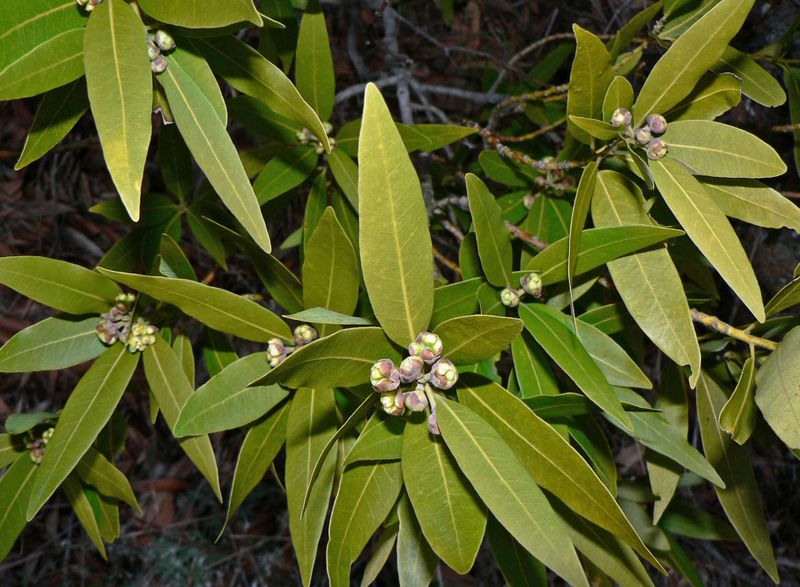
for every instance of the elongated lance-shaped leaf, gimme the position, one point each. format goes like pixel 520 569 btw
pixel 53 343
pixel 692 55
pixel 380 440
pixel 58 284
pixel 15 492
pixel 77 495
pixel 212 148
pixel 549 458
pixel 588 80
pixel 120 86
pixel 714 95
pixel 757 83
pixel 450 514
pixel 470 339
pixel 494 242
pixel 518 566
pixel 261 444
pixel 648 282
pixel 507 489
pixel 100 473
pixel 738 415
pixel 583 200
pixel 565 348
pixel 248 71
pixel 708 228
pixel 313 70
pixel 366 494
pixel 171 389
pixel 739 498
pixel 394 241
pixel 87 410
pixel 618 95
pixel 56 115
pixel 753 202
pixel 416 561
pixel 312 422
pixel 200 15
pixel 216 308
pixel 777 395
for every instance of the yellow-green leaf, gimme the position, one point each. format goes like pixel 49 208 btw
pixel 712 96
pixel 313 70
pixel 757 83
pixel 753 202
pixel 200 14
pixel 470 339
pixel 15 492
pixel 777 393
pixel 708 228
pixel 589 79
pixel 120 86
pixel 738 415
pixel 494 242
pixel 394 241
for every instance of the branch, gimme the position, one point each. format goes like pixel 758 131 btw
pixel 714 323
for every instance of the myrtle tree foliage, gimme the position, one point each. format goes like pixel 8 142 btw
pixel 434 412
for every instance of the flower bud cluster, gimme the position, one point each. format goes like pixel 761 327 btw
pixel 530 284
pixel 386 379
pixel 88 5
pixel 277 350
pixel 306 137
pixel 118 325
pixel 645 136
pixel 38 445
pixel 157 43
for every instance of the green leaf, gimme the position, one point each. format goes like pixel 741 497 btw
pixel 494 242
pixel 595 128
pixel 534 375
pixel 468 258
pixel 197 14
pixel 53 343
pixel 197 68
pixel 507 489
pixel 589 79
pixel 430 137
pixel 548 458
pixel 100 473
pixel 547 327
pixel 416 561
pixel 738 416
pixel 708 228
pixel 58 284
pixel 342 359
pixel 22 422
pixel 788 296
pixel 394 241
pixel 261 444
pixel 615 364
pixel 120 86
pixel 656 433
pixel 11 449
pixel 689 521
pixel 791 78
pixel 739 498
pixel 15 491
pixel 632 28
pixel 345 172
pixel 212 148
pixel 777 394
pixel 618 95
pixel 718 150
pixel 315 207
pixel 454 300
pixel 330 269
pixel 580 209
pixel 504 171
pixel 54 63
pixel 280 282
pixel 518 566
pixel 77 497
pixel 227 401
pixel 714 95
pixel 324 316
pixel 380 440
pixel 283 172
pixel 173 261
pixel 470 339
pixel 381 550
pixel 366 494
pixel 648 283
pixel 216 308
pixel 56 115
pixel 688 58
pixel 757 83
pixel 598 246
pixel 177 167
pixel 249 72
pixel 312 422
pixel 26 26
pixel 313 70
pixel 217 351
pixel 451 516
pixel 171 389
pixel 753 202
pixel 87 410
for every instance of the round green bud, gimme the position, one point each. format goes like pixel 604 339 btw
pixel 643 135
pixel 164 40
pixel 532 284
pixel 383 376
pixel 319 149
pixel 427 346
pixel 411 369
pixel 657 124
pixel 621 117
pixel 159 64
pixel 444 374
pixel 47 435
pixel 509 297
pixel 656 149
pixel 328 127
pixel 304 334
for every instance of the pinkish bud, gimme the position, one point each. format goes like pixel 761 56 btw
pixel 383 376
pixel 532 284
pixel 411 369
pixel 621 117
pixel 433 424
pixel 657 123
pixel 643 135
pixel 159 64
pixel 304 334
pixel 164 40
pixel 656 149
pixel 444 374
pixel 392 403
pixel 416 401
pixel 276 351
pixel 509 297
pixel 427 346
